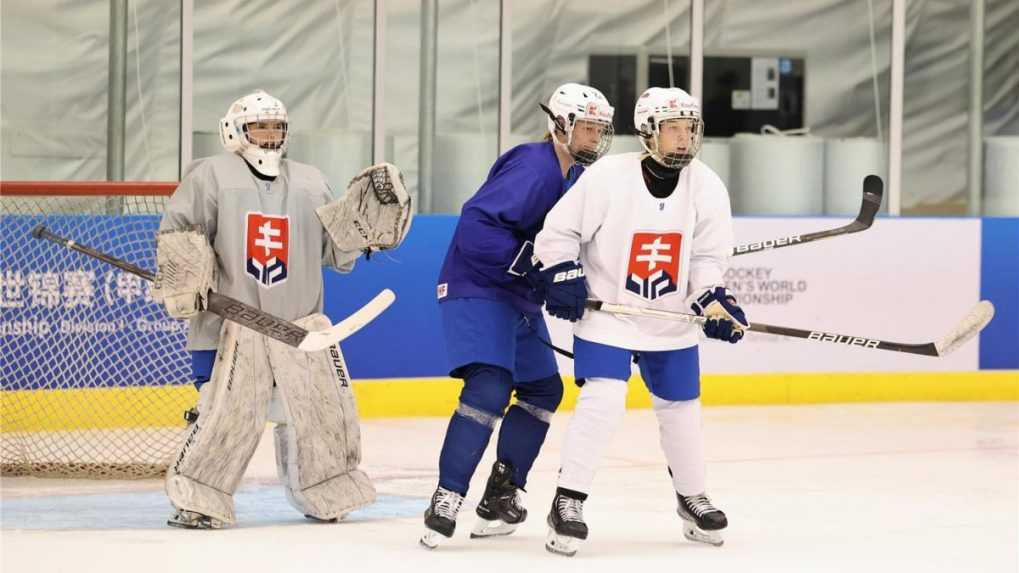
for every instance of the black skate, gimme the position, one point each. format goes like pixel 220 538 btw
pixel 500 511
pixel 440 517
pixel 702 521
pixel 193 520
pixel 566 525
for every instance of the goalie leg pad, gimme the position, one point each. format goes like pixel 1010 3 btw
pixel 232 411
pixel 318 447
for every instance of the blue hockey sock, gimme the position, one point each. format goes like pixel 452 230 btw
pixel 202 362
pixel 483 399
pixel 526 424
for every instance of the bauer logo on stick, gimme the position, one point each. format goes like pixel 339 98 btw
pixel 843 339
pixel 268 248
pixel 653 270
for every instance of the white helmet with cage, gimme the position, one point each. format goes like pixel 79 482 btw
pixel 660 105
pixel 255 126
pixel 572 103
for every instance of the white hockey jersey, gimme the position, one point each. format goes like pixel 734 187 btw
pixel 269 243
pixel 641 251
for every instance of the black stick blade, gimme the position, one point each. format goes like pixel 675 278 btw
pixel 873 192
pixel 38 231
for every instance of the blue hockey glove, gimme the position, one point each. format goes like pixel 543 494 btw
pixel 566 290
pixel 726 320
pixel 526 265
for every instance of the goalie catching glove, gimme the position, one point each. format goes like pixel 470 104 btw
pixel 373 215
pixel 725 320
pixel 185 271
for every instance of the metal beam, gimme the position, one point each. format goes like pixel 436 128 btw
pixel 187 11
pixel 505 74
pixel 116 92
pixel 697 50
pixel 976 108
pixel 378 91
pixel 426 103
pixel 895 107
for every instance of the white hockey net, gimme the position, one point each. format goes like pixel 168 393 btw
pixel 95 375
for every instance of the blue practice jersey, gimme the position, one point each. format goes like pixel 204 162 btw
pixel 509 208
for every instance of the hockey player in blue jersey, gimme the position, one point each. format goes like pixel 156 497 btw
pixel 492 322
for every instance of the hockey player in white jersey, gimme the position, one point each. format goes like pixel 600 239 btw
pixel 651 230
pixel 258 227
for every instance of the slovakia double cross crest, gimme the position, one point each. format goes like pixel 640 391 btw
pixel 268 248
pixel 653 270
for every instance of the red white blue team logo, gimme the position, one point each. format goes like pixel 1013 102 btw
pixel 268 248
pixel 653 269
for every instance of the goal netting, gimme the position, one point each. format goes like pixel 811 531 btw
pixel 95 375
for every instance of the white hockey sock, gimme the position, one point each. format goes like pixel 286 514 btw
pixel 600 409
pixel 679 423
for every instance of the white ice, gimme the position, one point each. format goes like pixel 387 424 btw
pixel 867 487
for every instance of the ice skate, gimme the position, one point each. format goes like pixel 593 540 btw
pixel 500 511
pixel 567 529
pixel 702 521
pixel 440 517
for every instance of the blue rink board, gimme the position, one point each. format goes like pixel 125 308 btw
pixel 404 342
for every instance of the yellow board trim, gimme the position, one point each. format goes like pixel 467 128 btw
pixel 103 408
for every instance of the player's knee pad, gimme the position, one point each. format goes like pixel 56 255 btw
pixel 318 432
pixel 604 396
pixel 541 398
pixel 485 394
pixel 601 406
pixel 682 416
pixel 232 412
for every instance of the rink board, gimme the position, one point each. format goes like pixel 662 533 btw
pixel 907 280
pixel 390 398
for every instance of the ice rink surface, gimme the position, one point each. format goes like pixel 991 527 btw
pixel 866 487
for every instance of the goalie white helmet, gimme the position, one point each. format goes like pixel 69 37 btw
pixel 580 121
pixel 677 144
pixel 256 127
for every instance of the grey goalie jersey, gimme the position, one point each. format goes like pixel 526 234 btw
pixel 269 244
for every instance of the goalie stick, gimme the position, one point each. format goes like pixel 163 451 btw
pixel 966 329
pixel 873 190
pixel 246 315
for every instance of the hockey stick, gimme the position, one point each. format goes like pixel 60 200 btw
pixel 873 190
pixel 967 328
pixel 246 315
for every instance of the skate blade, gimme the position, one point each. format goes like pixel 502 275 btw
pixel 204 525
pixel 325 520
pixel 431 539
pixel 694 533
pixel 492 528
pixel 561 544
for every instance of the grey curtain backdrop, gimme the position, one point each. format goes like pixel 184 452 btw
pixel 317 57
